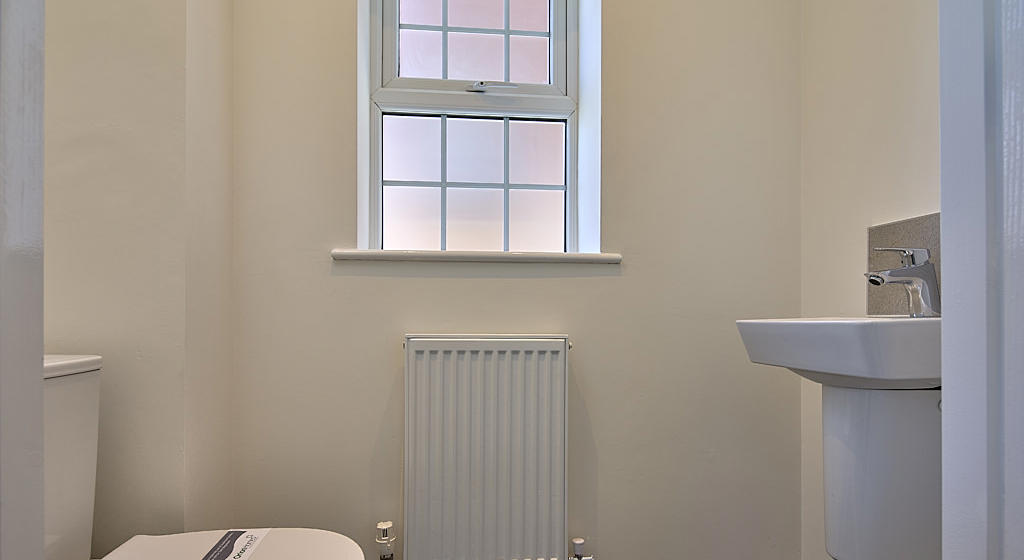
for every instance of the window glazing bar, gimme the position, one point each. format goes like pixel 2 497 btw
pixel 505 203
pixel 444 44
pixel 508 55
pixel 463 185
pixel 444 181
pixel 477 30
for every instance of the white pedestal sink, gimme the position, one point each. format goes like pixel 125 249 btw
pixel 857 352
pixel 881 422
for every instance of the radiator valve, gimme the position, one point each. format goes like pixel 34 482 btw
pixel 386 540
pixel 577 550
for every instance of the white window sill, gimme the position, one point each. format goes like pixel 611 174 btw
pixel 474 256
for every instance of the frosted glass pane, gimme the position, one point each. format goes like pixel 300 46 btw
pixel 412 148
pixel 476 150
pixel 475 56
pixel 423 12
pixel 536 220
pixel 419 54
pixel 536 152
pixel 476 219
pixel 528 60
pixel 412 218
pixel 528 15
pixel 488 14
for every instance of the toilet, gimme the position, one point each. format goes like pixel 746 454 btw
pixel 71 398
pixel 243 544
pixel 71 413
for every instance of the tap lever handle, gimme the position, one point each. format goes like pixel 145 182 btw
pixel 908 256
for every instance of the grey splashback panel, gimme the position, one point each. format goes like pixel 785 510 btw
pixel 922 231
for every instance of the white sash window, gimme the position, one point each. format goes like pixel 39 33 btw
pixel 473 126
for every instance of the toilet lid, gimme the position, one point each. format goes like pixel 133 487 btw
pixel 242 544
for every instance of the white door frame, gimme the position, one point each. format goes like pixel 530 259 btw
pixel 982 68
pixel 21 279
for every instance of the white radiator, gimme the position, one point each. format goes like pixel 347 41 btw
pixel 485 421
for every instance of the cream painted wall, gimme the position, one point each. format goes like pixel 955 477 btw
pixel 700 456
pixel 870 135
pixel 207 375
pixel 116 242
pixel 677 443
pixel 137 234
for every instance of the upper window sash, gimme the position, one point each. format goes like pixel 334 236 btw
pixel 521 96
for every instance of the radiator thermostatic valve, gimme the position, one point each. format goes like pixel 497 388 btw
pixel 577 550
pixel 386 540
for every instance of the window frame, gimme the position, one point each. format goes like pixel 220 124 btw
pixel 390 93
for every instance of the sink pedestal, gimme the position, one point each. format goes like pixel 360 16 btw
pixel 883 475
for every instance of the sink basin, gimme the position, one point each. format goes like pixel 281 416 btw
pixel 856 352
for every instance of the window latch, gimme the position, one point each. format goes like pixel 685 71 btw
pixel 484 87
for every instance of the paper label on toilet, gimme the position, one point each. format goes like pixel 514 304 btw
pixel 237 544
